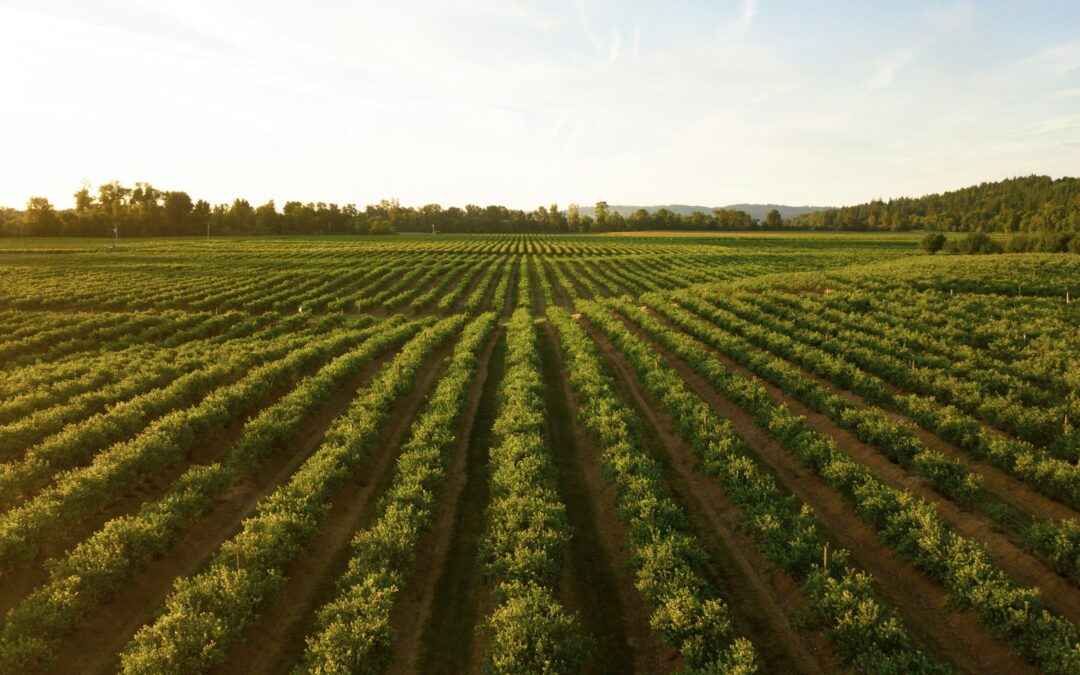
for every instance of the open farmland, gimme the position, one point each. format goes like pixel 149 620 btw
pixel 534 453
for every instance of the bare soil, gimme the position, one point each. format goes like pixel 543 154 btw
pixel 416 608
pixel 764 599
pixel 449 639
pixel 1060 594
pixel 956 637
pixel 276 642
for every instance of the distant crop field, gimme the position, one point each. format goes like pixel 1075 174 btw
pixel 448 453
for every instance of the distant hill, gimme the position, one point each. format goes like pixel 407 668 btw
pixel 757 211
pixel 1025 204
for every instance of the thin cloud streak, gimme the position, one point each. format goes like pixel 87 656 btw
pixel 531 101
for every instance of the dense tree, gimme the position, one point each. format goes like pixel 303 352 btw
pixel 1034 204
pixel 1028 204
pixel 40 218
pixel 932 242
pixel 773 220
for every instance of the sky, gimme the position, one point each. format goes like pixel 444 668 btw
pixel 525 103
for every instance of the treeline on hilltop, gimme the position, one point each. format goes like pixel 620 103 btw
pixel 1028 204
pixel 147 211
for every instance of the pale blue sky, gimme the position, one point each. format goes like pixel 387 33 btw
pixel 524 103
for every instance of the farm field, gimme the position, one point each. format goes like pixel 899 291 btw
pixel 538 453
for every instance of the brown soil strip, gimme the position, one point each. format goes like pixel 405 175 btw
pixel 763 598
pixel 449 639
pixel 1059 594
pixel 416 607
pixel 607 542
pixel 562 298
pixel 539 302
pixel 956 637
pixel 590 588
pixel 19 581
pixel 996 482
pixel 569 274
pixel 276 642
pixel 95 644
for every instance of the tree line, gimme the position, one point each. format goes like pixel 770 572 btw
pixel 144 210
pixel 1026 204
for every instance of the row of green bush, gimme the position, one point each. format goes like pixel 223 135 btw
pixel 353 633
pixel 207 612
pixel 911 526
pixel 526 525
pixel 896 440
pixel 687 614
pixel 869 636
pixel 99 566
pixel 1009 405
pixel 1054 477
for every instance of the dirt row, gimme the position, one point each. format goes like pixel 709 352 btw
pixel 1060 594
pixel 998 483
pixel 22 580
pixel 955 637
pixel 763 599
pixel 96 642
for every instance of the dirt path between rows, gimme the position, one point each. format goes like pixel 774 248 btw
pixel 539 302
pixel 276 642
pixel 591 586
pixel 416 606
pixel 763 599
pixel 95 644
pixel 562 298
pixel 956 637
pixel 19 581
pixel 996 481
pixel 1059 594
pixel 447 640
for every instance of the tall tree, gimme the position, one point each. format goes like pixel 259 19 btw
pixel 40 218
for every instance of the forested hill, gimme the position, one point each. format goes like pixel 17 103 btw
pixel 1031 203
pixel 756 211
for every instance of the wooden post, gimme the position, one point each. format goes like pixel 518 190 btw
pixel 826 557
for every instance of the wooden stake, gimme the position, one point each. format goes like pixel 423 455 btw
pixel 826 557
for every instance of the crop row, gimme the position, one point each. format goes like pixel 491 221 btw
pixel 526 525
pixel 686 613
pixel 352 630
pixel 1042 472
pixel 908 524
pixel 207 612
pixel 839 598
pixel 895 440
pixel 76 493
pixel 99 566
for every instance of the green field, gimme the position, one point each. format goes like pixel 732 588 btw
pixel 538 453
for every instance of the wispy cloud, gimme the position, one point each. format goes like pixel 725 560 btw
pixel 583 19
pixel 887 66
pixel 614 42
pixel 747 12
pixel 1057 61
